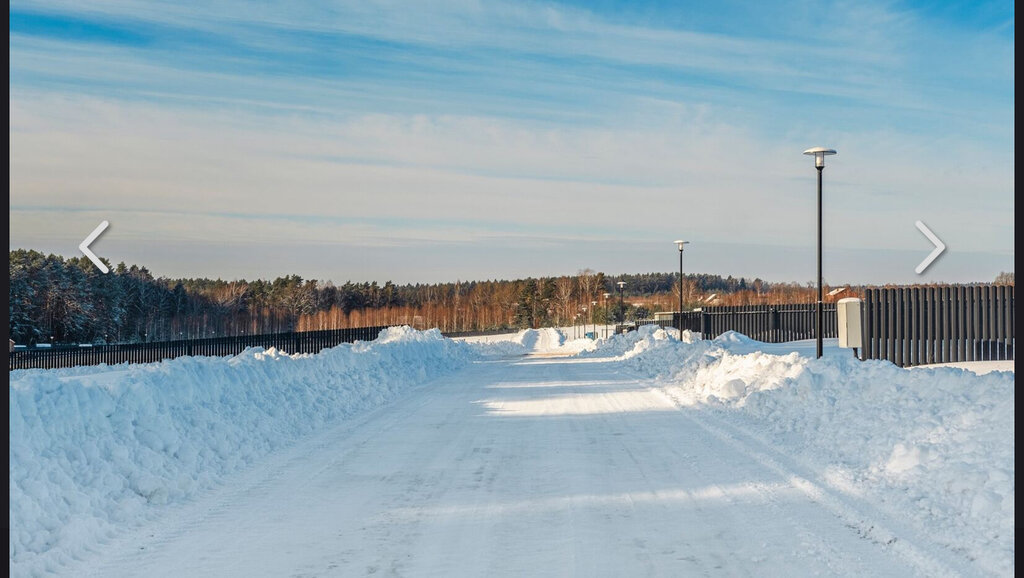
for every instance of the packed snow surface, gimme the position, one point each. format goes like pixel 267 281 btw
pixel 934 444
pixel 93 449
pixel 524 454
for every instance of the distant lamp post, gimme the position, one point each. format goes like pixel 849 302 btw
pixel 819 154
pixel 680 245
pixel 606 296
pixel 622 312
pixel 593 318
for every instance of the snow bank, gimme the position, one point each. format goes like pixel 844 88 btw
pixel 544 341
pixel 95 450
pixel 650 349
pixel 520 343
pixel 934 445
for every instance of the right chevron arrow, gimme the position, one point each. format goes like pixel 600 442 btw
pixel 939 247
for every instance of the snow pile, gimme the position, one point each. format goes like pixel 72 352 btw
pixel 633 343
pixel 933 445
pixel 556 341
pixel 95 450
pixel 651 349
pixel 544 341
pixel 98 451
pixel 523 342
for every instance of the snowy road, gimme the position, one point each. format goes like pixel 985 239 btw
pixel 537 466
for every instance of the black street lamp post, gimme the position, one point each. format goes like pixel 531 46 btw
pixel 606 296
pixel 819 154
pixel 622 312
pixel 680 244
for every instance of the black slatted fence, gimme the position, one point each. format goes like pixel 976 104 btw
pixel 946 324
pixel 768 323
pixel 771 324
pixel 292 342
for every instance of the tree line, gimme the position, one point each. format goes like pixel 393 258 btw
pixel 67 300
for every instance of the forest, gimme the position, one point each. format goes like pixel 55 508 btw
pixel 54 299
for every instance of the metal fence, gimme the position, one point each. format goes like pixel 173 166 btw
pixel 292 342
pixel 922 325
pixel 768 323
pixel 905 325
pixel 771 324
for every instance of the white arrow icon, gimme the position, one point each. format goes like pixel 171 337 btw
pixel 939 247
pixel 84 247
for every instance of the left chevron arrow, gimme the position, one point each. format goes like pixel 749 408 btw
pixel 84 246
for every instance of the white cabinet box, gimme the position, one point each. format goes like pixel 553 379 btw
pixel 848 311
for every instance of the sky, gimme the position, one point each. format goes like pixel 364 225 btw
pixel 430 142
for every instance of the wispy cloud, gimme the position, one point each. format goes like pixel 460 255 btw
pixel 860 53
pixel 368 123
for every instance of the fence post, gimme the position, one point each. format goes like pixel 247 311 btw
pixel 952 324
pixel 1004 305
pixel 898 322
pixel 947 324
pixel 879 320
pixel 1006 322
pixel 984 319
pixel 929 336
pixel 918 345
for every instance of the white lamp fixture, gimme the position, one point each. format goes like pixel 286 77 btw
pixel 819 154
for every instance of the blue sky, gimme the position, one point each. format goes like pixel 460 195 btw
pixel 423 142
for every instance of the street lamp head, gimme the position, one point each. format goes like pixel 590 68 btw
pixel 819 154
pixel 621 284
pixel 607 295
pixel 680 244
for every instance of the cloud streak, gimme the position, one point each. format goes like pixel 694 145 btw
pixel 372 124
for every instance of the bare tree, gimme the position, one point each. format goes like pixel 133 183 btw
pixel 564 289
pixel 588 284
